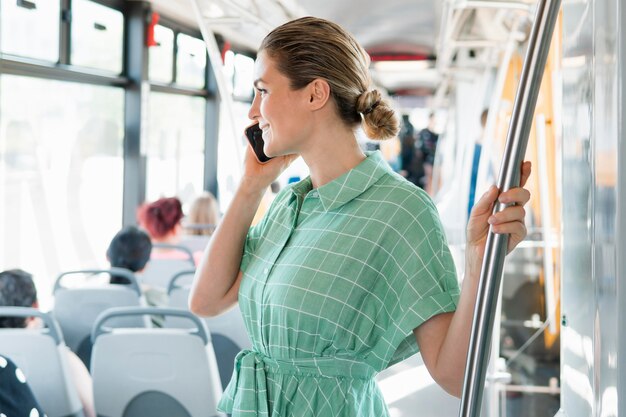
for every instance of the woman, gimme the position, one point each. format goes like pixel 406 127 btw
pixel 349 271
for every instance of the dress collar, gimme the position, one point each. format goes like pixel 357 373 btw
pixel 350 185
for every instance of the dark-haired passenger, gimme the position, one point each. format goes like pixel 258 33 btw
pixel 130 249
pixel 17 289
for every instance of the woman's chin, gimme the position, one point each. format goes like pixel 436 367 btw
pixel 271 152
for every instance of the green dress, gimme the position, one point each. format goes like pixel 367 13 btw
pixel 335 280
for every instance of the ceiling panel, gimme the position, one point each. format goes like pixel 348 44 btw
pixel 382 27
pixel 392 25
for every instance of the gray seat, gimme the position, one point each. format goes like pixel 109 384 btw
pixel 197 242
pixel 227 330
pixel 42 355
pixel 159 271
pixel 154 372
pixel 76 309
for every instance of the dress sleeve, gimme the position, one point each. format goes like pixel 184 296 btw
pixel 428 284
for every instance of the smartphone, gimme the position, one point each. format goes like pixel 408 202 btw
pixel 255 138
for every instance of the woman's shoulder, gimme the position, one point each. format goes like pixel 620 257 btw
pixel 398 189
pixel 406 204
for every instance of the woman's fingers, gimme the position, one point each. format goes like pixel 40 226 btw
pixel 510 214
pixel 526 170
pixel 517 233
pixel 485 204
pixel 518 196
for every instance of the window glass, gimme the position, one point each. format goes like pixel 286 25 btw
pixel 61 175
pixel 229 69
pixel 162 55
pixel 244 77
pixel 190 61
pixel 30 30
pixel 97 36
pixel 175 147
pixel 231 149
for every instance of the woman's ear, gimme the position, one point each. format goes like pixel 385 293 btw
pixel 319 93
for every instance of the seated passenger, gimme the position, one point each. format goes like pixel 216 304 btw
pixel 130 249
pixel 16 397
pixel 203 215
pixel 162 220
pixel 200 223
pixel 17 289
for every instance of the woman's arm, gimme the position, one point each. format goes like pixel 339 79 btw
pixel 444 339
pixel 216 283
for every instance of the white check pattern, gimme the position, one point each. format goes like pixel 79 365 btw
pixel 335 280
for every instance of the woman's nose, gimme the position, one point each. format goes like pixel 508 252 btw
pixel 254 112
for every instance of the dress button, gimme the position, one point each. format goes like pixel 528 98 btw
pixel 265 271
pixel 314 194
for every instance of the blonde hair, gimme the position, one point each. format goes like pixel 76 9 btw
pixel 204 211
pixel 309 48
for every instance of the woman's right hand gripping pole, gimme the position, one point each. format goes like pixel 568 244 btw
pixel 216 283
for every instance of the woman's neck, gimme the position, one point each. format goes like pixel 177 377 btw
pixel 335 151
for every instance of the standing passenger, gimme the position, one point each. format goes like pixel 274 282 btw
pixel 412 160
pixel 349 271
pixel 428 142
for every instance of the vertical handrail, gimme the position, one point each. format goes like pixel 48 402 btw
pixel 215 60
pixel 496 245
pixel 546 223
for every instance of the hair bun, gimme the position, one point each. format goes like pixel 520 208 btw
pixel 379 119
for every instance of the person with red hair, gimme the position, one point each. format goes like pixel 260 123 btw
pixel 162 220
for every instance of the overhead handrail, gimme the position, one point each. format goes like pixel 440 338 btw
pixel 496 245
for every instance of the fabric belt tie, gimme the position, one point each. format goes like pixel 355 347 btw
pixel 246 393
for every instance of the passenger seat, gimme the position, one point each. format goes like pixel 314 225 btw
pixel 41 355
pixel 154 372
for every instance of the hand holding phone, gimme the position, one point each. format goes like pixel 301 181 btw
pixel 255 138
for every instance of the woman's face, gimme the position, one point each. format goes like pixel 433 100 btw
pixel 280 111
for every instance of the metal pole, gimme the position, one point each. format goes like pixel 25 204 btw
pixel 496 246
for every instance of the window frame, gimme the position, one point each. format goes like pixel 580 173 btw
pixel 133 79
